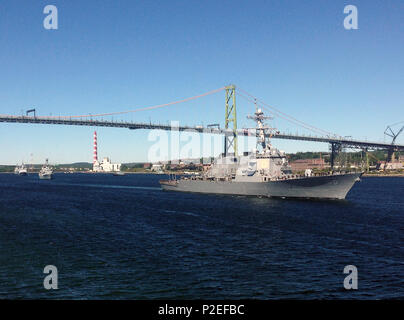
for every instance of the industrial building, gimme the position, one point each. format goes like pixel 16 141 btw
pixel 157 168
pixel 394 164
pixel 303 164
pixel 105 165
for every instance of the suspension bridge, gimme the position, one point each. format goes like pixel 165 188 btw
pixel 230 130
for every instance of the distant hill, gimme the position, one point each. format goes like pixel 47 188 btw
pixel 76 165
pixel 6 168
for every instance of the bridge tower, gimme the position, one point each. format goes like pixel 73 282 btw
pixel 230 139
pixel 335 148
pixel 367 159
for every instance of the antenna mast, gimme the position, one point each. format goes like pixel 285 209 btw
pixel 261 128
pixel 230 140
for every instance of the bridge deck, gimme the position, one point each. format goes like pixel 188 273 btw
pixel 133 126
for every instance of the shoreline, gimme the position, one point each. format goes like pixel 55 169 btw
pixel 395 175
pixel 376 175
pixel 86 172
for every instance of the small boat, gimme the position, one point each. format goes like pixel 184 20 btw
pixel 46 172
pixel 118 173
pixel 21 170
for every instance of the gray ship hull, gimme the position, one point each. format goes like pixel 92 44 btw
pixel 321 187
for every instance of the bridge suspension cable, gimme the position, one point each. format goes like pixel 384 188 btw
pixel 275 113
pixel 139 109
pixel 282 114
pixel 242 93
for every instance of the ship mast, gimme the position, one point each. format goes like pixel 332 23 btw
pixel 261 128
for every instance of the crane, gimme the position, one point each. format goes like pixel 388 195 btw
pixel 389 132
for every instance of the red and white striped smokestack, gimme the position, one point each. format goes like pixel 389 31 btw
pixel 95 159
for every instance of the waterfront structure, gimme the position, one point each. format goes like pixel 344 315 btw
pixel 391 166
pixel 303 164
pixel 158 168
pixel 105 165
pixel 394 164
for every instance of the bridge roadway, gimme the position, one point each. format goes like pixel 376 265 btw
pixel 336 140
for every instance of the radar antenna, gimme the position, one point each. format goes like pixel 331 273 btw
pixel 262 130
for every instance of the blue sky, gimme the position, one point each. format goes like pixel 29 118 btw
pixel 111 56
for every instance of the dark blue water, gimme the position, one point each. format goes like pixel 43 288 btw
pixel 122 237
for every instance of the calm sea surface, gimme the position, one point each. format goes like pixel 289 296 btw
pixel 123 238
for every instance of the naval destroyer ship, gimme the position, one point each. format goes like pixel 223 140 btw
pixel 265 173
